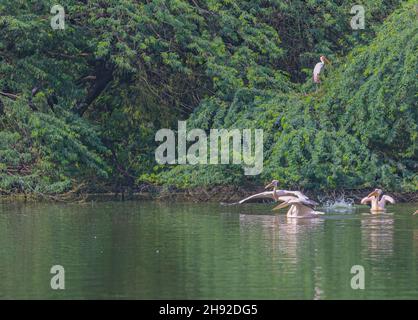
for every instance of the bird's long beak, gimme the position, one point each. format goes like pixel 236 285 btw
pixel 327 61
pixel 281 206
pixel 268 186
pixel 373 194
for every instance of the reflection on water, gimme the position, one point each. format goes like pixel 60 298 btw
pixel 282 234
pixel 415 235
pixel 318 292
pixel 204 251
pixel 377 231
pixel 285 240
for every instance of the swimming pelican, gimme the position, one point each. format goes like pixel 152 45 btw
pixel 299 207
pixel 318 68
pixel 378 202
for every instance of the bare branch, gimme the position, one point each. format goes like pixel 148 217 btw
pixel 9 95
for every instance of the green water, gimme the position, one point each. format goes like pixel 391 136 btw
pixel 122 250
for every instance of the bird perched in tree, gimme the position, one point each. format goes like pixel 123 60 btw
pixel 318 68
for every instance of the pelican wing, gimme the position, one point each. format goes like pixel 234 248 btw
pixel 266 195
pixel 366 200
pixel 301 202
pixel 287 198
pixel 388 199
pixel 304 198
pixel 310 202
pixel 299 194
pixel 262 195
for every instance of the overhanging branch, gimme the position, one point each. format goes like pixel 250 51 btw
pixel 101 79
pixel 9 95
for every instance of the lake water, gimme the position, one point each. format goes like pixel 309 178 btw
pixel 150 250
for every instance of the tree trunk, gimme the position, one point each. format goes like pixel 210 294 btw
pixel 103 77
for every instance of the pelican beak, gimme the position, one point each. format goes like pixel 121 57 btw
pixel 373 194
pixel 281 206
pixel 269 185
pixel 327 61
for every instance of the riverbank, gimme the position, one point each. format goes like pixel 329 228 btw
pixel 214 194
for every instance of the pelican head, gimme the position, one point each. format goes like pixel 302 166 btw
pixel 274 183
pixel 375 193
pixel 416 212
pixel 324 60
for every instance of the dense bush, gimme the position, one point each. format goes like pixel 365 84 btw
pixel 361 130
pixel 82 105
pixel 43 154
pixel 358 131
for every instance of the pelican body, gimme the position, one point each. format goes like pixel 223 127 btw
pixel 377 200
pixel 299 207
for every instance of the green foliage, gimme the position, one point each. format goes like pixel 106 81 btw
pixel 361 129
pixel 41 153
pixel 358 131
pixel 89 99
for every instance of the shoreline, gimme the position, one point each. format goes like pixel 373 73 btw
pixel 214 194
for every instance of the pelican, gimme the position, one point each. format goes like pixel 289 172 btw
pixel 318 68
pixel 299 207
pixel 377 200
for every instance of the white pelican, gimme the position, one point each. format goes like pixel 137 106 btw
pixel 318 68
pixel 377 201
pixel 299 207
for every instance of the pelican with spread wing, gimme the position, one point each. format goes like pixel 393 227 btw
pixel 301 205
pixel 377 200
